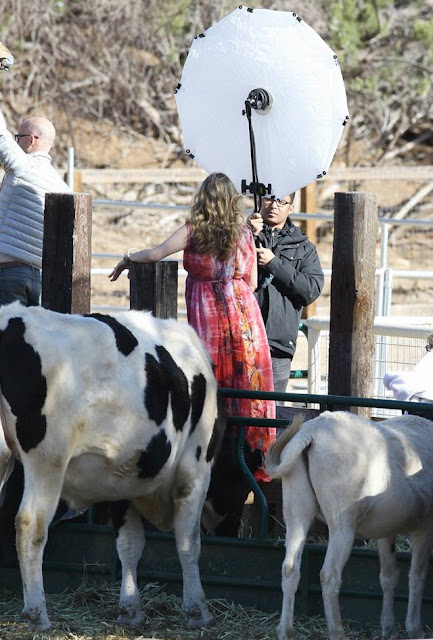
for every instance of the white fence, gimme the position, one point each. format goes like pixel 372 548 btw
pixel 399 345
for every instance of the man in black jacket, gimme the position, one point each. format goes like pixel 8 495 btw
pixel 290 277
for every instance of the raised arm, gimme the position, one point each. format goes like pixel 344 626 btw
pixel 12 157
pixel 176 242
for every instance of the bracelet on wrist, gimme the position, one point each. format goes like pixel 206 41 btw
pixel 127 256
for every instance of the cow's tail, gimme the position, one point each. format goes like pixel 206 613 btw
pixel 288 447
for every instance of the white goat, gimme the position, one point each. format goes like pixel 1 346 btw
pixel 371 479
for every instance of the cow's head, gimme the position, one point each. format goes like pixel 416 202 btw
pixel 6 58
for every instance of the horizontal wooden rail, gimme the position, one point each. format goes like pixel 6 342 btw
pixel 409 174
pixel 159 176
pixel 194 175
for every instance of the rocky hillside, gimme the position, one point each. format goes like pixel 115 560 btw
pixel 105 70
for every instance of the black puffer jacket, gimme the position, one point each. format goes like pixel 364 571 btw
pixel 290 281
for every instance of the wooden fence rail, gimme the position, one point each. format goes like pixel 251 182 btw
pixel 196 175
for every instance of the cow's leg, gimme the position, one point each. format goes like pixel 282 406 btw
pixel 130 544
pixel 189 505
pixel 389 572
pixel 40 498
pixel 422 543
pixel 341 537
pixel 299 509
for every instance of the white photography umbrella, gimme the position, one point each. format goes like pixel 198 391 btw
pixel 262 99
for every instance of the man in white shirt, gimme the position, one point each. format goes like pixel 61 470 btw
pixel 29 175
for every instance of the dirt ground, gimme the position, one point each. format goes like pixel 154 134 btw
pixel 90 614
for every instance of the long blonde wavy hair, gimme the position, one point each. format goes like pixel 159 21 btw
pixel 217 217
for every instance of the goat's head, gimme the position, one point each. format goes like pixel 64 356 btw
pixel 6 58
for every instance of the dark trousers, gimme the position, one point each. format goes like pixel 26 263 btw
pixel 281 373
pixel 21 283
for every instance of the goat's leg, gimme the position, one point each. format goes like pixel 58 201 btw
pixel 339 547
pixel 130 542
pixel 422 543
pixel 389 572
pixel 188 510
pixel 299 509
pixel 38 505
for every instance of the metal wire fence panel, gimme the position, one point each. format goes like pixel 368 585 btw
pixel 399 345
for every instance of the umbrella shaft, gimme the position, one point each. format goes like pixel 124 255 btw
pixel 255 183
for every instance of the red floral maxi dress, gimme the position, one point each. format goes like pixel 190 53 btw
pixel 223 310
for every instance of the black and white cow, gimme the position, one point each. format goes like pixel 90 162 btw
pixel 97 408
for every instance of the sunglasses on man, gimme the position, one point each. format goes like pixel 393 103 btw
pixel 18 136
pixel 280 203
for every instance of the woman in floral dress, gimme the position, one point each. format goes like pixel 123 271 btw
pixel 220 258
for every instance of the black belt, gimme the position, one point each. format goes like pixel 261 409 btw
pixel 13 263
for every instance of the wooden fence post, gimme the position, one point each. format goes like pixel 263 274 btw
pixel 66 256
pixel 309 205
pixel 154 288
pixel 351 340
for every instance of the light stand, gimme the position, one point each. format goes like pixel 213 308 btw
pixel 259 100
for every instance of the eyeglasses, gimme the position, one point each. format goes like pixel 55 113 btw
pixel 18 136
pixel 280 203
pixel 428 347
